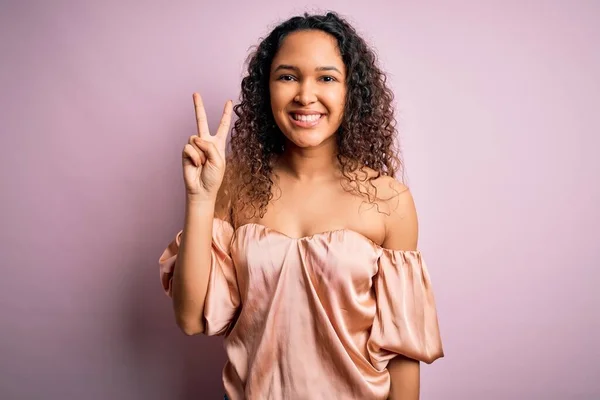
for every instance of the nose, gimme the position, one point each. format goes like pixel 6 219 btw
pixel 306 94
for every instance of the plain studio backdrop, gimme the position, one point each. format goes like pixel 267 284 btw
pixel 497 110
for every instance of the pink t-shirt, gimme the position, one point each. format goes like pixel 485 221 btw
pixel 317 317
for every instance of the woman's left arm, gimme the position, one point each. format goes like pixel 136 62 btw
pixel 405 377
pixel 402 233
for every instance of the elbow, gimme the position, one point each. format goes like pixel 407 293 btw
pixel 190 327
pixel 190 322
pixel 191 331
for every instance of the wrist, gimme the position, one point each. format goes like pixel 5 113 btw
pixel 200 201
pixel 195 208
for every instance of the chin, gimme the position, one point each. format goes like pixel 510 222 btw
pixel 307 139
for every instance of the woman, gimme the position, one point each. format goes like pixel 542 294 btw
pixel 303 251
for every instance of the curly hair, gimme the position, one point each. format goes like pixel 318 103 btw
pixel 365 138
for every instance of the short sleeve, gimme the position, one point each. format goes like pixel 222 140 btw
pixel 406 320
pixel 222 296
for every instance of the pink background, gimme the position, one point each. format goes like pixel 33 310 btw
pixel 498 107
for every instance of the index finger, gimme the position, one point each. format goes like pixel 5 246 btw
pixel 225 121
pixel 201 121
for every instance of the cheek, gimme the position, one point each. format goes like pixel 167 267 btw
pixel 336 101
pixel 279 98
pixel 273 97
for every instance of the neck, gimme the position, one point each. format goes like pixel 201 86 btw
pixel 310 164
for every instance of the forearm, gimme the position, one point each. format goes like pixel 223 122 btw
pixel 192 269
pixel 405 375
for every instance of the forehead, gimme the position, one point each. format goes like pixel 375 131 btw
pixel 309 49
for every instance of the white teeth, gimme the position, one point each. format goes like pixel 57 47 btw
pixel 307 118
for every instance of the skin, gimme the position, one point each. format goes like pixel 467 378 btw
pixel 310 196
pixel 203 161
pixel 315 83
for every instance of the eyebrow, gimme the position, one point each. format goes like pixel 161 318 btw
pixel 294 68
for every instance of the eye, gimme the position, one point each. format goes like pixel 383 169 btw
pixel 286 77
pixel 328 78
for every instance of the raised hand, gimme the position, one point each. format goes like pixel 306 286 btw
pixel 204 155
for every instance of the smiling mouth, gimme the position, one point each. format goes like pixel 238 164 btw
pixel 305 120
pixel 306 117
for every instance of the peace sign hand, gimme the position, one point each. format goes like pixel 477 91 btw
pixel 204 155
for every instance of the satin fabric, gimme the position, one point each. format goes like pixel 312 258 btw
pixel 317 317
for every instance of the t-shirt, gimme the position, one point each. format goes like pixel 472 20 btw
pixel 317 317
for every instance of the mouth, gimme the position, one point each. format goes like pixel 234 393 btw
pixel 306 120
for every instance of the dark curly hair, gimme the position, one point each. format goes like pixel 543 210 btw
pixel 365 138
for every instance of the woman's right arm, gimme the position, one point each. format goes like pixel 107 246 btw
pixel 203 170
pixel 192 267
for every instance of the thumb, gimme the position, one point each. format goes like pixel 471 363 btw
pixel 209 148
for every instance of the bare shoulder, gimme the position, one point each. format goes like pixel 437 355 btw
pixel 388 190
pixel 401 222
pixel 396 207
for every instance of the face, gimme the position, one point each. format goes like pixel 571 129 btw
pixel 307 87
